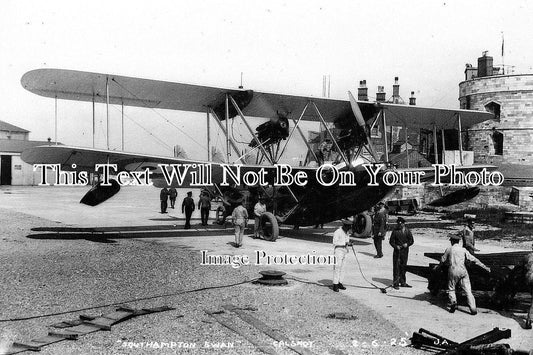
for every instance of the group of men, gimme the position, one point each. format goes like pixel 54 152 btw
pixel 188 205
pixel 455 257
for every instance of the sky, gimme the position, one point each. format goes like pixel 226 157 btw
pixel 279 46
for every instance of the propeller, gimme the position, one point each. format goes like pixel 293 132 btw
pixel 362 123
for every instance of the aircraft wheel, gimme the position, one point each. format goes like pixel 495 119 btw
pixel 362 225
pixel 269 227
pixel 220 215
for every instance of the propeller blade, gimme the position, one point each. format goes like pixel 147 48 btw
pixel 362 123
pixel 356 111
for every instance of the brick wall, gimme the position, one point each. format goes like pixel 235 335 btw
pixel 515 95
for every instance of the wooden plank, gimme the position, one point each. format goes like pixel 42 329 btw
pixel 231 325
pixel 83 329
pixel 85 325
pixel 271 332
pixel 68 335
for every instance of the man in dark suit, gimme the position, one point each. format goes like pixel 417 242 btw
pixel 163 196
pixel 187 207
pixel 173 196
pixel 379 228
pixel 400 240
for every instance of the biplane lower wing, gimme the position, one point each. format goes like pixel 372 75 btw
pixel 78 158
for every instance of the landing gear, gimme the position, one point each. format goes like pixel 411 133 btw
pixel 362 225
pixel 269 229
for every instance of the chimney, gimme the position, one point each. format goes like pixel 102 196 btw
pixel 380 95
pixel 395 90
pixel 362 91
pixel 412 99
pixel 484 65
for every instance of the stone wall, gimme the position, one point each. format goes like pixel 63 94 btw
pixel 514 94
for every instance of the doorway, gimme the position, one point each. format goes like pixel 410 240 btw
pixel 5 169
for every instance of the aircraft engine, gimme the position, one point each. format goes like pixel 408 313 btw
pixel 273 131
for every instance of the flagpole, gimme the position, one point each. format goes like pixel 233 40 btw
pixel 503 54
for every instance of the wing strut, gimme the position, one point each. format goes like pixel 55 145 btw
pixel 406 145
pixel 231 141
pixel 331 135
pixel 309 149
pixel 460 138
pixel 248 126
pixel 256 139
pixel 227 131
pixel 442 158
pixel 362 124
pixel 296 123
pixel 386 148
pixel 435 151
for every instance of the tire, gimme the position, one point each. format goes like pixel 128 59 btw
pixel 269 227
pixel 362 226
pixel 220 215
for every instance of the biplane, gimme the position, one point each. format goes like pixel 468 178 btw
pixel 347 126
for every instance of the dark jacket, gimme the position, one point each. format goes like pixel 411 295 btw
pixel 188 204
pixel 173 193
pixel 400 237
pixel 380 223
pixel 163 196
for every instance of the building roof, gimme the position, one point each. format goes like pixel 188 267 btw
pixel 4 126
pixel 17 145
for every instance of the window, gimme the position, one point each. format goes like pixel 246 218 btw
pixel 495 108
pixel 467 103
pixel 497 138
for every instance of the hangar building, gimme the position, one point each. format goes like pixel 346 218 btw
pixel 13 171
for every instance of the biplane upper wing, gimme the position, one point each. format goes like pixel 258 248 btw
pixel 86 86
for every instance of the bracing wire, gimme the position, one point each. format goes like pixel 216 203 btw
pixel 159 140
pixel 162 116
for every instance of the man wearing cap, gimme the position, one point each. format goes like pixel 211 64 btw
pixel 400 240
pixel 468 236
pixel 163 197
pixel 455 257
pixel 173 194
pixel 204 205
pixel 341 242
pixel 187 207
pixel 259 209
pixel 240 220
pixel 379 228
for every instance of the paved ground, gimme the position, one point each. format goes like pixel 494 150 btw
pixel 398 313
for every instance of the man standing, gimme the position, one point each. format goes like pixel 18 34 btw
pixel 204 205
pixel 468 236
pixel 240 219
pixel 259 209
pixel 400 240
pixel 379 228
pixel 341 242
pixel 163 196
pixel 187 207
pixel 173 196
pixel 455 257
